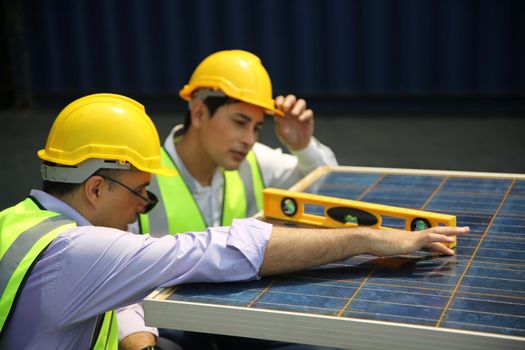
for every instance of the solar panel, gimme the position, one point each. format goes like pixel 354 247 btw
pixel 473 300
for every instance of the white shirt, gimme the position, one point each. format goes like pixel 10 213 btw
pixel 278 170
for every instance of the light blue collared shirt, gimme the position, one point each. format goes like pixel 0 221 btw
pixel 89 270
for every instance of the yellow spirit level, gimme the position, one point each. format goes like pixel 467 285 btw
pixel 338 212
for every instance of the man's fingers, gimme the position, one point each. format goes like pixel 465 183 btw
pixel 287 103
pixel 449 230
pixel 437 237
pixel 306 116
pixel 439 248
pixel 298 107
pixel 279 101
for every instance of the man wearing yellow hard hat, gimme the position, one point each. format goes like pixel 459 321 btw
pixel 66 262
pixel 223 168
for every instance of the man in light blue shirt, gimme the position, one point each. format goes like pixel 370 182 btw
pixel 98 159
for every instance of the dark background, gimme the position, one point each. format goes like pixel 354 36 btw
pixel 434 84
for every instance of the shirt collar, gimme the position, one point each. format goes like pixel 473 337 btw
pixel 194 185
pixel 56 205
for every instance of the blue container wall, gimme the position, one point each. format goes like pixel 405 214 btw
pixel 323 48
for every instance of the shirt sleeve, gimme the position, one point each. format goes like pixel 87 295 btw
pixel 283 170
pixel 98 269
pixel 130 319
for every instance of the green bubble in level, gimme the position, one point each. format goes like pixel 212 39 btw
pixel 421 225
pixel 350 219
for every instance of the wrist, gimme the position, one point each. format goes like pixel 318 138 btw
pixel 298 147
pixel 308 150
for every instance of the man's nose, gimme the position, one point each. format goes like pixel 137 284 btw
pixel 249 137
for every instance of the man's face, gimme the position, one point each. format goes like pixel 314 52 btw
pixel 120 206
pixel 230 134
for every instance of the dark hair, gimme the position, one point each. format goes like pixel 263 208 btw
pixel 60 189
pixel 212 103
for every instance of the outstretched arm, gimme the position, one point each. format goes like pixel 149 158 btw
pixel 291 249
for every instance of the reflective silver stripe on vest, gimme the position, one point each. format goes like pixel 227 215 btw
pixel 158 220
pixel 23 244
pixel 245 171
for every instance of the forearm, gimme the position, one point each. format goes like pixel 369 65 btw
pixel 291 249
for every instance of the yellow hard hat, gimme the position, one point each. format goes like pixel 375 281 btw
pixel 238 74
pixel 106 127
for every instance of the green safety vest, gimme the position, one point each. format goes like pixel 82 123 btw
pixel 178 211
pixel 25 232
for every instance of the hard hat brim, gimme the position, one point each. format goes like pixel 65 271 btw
pixel 163 172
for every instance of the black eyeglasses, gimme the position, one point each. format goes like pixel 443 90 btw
pixel 151 201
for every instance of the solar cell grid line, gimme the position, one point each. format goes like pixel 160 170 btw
pixel 252 303
pixel 474 300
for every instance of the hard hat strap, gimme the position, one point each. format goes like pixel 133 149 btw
pixel 77 174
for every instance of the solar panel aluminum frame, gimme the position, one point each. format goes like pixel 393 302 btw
pixel 308 328
pixel 344 333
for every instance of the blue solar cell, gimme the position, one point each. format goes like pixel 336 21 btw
pixel 416 312
pixel 476 185
pixel 514 205
pixel 518 188
pixel 508 227
pixel 411 182
pixel 393 222
pixel 343 178
pixel 511 221
pixel 341 185
pixel 511 244
pixel 470 288
pixel 230 293
pixel 400 198
pixel 501 254
pixel 493 285
pixel 495 272
pixel 296 301
pixel 312 288
pixel 465 202
pixel 389 318
pixel 473 219
pixel 348 193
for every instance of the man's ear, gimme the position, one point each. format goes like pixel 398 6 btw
pixel 92 189
pixel 198 112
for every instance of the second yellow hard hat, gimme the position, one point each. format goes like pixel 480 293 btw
pixel 238 74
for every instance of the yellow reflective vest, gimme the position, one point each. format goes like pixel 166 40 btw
pixel 178 211
pixel 25 232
